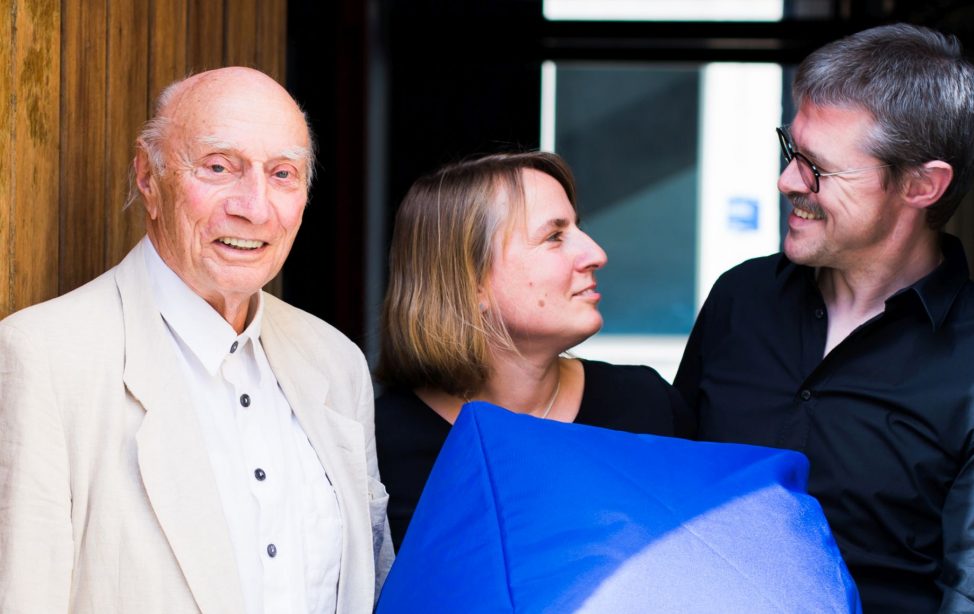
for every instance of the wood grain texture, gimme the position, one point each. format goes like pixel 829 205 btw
pixel 127 107
pixel 83 148
pixel 7 159
pixel 167 43
pixel 205 35
pixel 272 38
pixel 31 119
pixel 240 33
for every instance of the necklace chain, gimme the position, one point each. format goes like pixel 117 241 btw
pixel 551 401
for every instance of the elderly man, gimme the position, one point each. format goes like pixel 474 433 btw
pixel 856 345
pixel 171 438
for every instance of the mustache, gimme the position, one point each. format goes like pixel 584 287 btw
pixel 802 201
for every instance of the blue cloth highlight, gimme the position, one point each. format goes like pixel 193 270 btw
pixel 528 515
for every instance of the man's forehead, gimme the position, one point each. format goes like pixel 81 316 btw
pixel 207 101
pixel 828 127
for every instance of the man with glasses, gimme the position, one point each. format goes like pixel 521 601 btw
pixel 856 345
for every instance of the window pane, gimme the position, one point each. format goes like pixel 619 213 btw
pixel 663 10
pixel 676 169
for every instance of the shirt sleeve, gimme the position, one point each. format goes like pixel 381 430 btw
pixel 36 544
pixel 957 578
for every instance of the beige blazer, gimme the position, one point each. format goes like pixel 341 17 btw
pixel 107 499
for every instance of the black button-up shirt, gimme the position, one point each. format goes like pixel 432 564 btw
pixel 886 419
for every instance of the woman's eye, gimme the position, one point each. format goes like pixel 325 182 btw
pixel 217 168
pixel 554 237
pixel 282 174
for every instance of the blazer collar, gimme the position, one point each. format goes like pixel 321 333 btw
pixel 172 456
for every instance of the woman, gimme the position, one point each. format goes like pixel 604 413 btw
pixel 490 281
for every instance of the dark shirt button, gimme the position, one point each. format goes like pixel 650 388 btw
pixel 819 313
pixel 259 474
pixel 233 348
pixel 271 550
pixel 245 400
pixel 806 394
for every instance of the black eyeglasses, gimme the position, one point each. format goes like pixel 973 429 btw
pixel 806 168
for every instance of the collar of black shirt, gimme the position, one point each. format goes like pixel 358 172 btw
pixel 935 293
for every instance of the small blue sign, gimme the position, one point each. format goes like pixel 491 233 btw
pixel 742 214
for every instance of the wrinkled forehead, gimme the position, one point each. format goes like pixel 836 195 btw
pixel 243 110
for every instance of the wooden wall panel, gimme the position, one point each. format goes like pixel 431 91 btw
pixel 271 24
pixel 30 124
pixel 127 102
pixel 7 159
pixel 167 44
pixel 241 33
pixel 205 26
pixel 77 80
pixel 83 146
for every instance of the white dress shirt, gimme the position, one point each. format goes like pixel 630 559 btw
pixel 280 507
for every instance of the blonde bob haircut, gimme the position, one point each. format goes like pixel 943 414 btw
pixel 434 330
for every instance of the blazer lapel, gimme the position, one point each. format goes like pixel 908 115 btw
pixel 172 454
pixel 339 444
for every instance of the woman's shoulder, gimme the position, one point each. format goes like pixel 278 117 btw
pixel 401 416
pixel 632 398
pixel 395 399
pixel 610 378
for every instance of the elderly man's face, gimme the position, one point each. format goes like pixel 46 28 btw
pixel 225 211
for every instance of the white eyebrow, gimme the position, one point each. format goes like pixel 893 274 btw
pixel 215 143
pixel 295 154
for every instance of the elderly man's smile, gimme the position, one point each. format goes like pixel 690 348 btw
pixel 241 244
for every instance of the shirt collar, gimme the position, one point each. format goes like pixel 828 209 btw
pixel 936 291
pixel 193 320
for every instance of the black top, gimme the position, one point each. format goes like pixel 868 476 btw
pixel 409 434
pixel 886 418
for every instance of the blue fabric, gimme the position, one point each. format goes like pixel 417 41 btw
pixel 529 515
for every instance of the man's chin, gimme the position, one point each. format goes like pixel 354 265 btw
pixel 799 253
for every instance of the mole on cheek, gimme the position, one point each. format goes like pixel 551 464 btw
pixel 540 303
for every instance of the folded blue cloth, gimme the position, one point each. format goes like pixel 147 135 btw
pixel 528 515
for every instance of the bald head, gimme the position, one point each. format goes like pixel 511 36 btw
pixel 222 86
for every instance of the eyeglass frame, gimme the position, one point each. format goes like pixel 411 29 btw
pixel 789 153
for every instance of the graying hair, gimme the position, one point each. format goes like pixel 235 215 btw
pixel 920 90
pixel 154 133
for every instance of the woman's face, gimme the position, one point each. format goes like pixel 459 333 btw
pixel 543 277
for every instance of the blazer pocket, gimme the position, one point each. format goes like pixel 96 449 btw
pixel 378 501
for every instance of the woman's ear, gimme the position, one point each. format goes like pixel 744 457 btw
pixel 927 184
pixel 483 298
